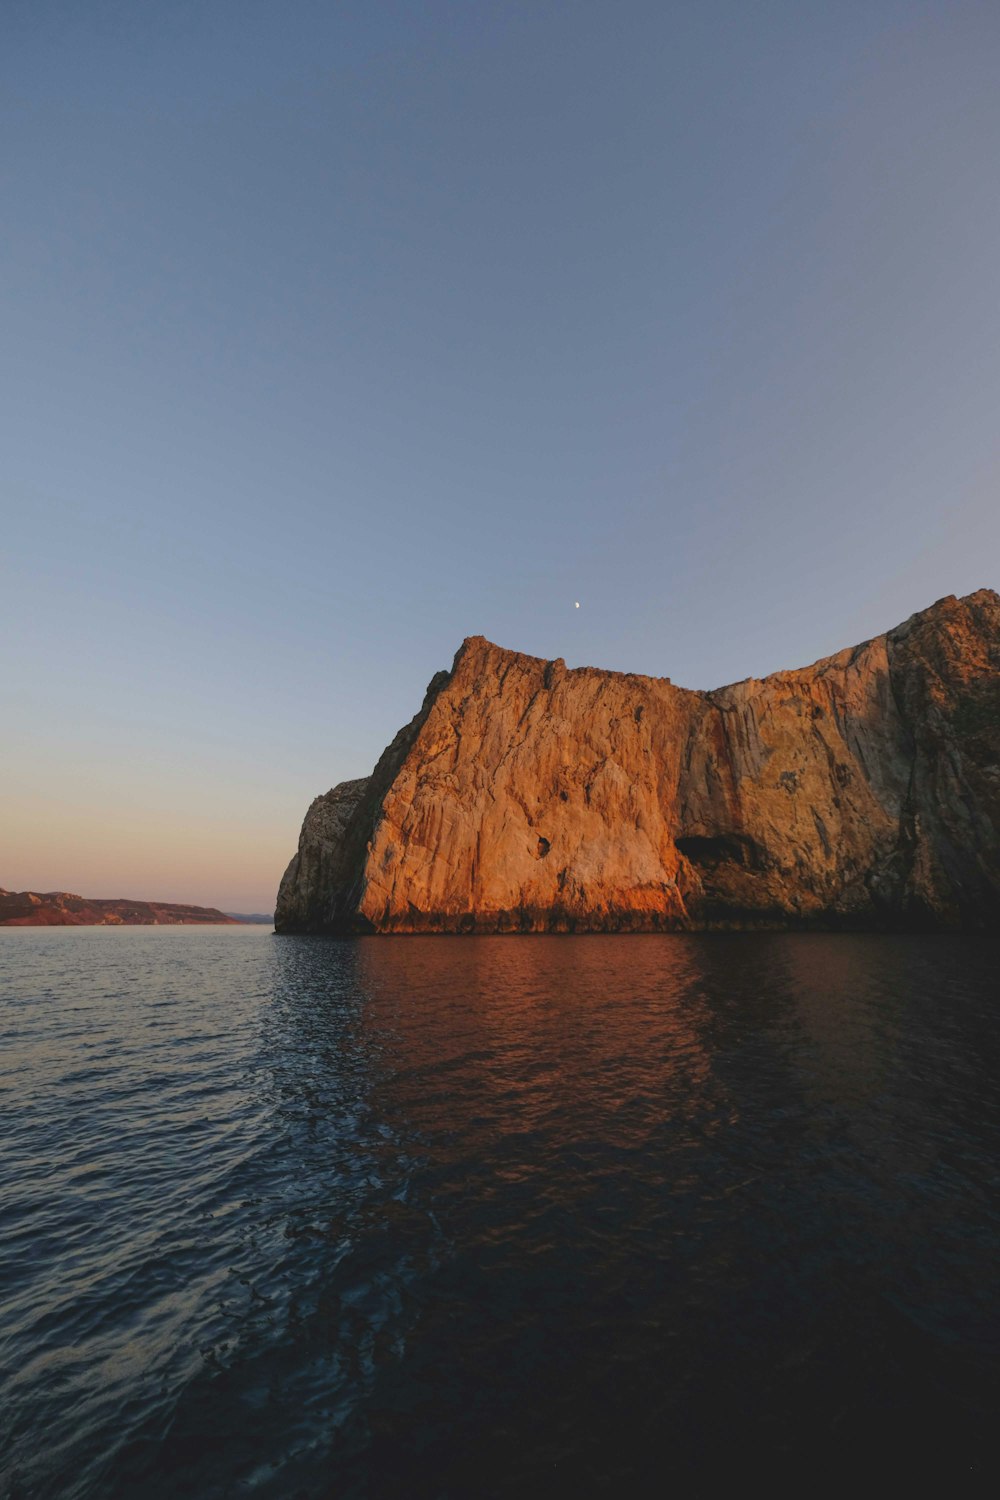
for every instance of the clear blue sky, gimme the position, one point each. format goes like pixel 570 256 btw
pixel 333 333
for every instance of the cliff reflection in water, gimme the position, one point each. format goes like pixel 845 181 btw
pixel 453 1217
pixel 667 1200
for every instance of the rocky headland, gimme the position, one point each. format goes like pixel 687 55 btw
pixel 63 909
pixel 860 792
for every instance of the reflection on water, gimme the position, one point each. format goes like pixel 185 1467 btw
pixel 462 1217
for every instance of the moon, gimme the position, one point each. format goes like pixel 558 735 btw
pixel 577 604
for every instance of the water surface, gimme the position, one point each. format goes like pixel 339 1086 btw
pixel 496 1216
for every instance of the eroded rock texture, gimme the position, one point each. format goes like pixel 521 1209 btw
pixel 861 791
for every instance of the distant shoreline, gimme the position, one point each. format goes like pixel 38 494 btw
pixel 65 909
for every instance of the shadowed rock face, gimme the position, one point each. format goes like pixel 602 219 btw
pixel 863 791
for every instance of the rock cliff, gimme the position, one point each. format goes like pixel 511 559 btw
pixel 863 791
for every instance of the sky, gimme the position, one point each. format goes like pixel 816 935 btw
pixel 335 333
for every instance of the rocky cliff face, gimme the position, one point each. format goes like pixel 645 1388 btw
pixel 863 791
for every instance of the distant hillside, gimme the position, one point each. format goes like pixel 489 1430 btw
pixel 260 917
pixel 62 909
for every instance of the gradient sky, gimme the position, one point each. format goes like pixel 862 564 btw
pixel 334 333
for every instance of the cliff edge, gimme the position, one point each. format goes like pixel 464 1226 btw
pixel 863 791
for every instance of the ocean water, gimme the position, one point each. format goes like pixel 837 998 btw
pixel 455 1217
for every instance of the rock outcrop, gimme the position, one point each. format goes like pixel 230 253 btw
pixel 63 909
pixel 863 791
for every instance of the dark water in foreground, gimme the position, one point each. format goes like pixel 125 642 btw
pixel 496 1217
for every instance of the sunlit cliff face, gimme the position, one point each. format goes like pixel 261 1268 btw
pixel 860 791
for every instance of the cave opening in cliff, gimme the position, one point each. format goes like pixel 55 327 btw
pixel 711 850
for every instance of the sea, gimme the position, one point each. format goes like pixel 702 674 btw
pixel 497 1217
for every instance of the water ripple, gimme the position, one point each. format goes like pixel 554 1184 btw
pixel 438 1217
